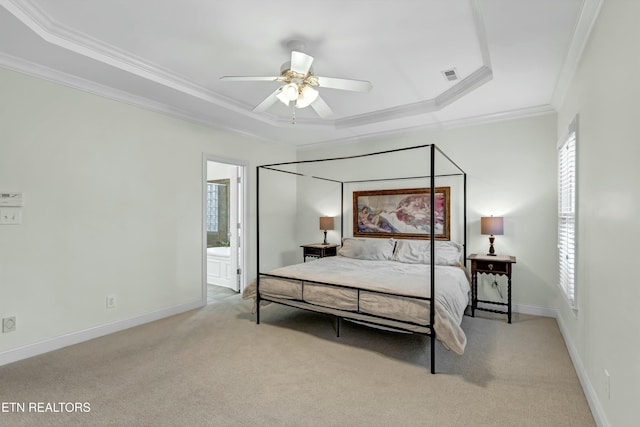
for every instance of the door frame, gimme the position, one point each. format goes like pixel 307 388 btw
pixel 243 216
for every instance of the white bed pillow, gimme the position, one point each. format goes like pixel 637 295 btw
pixel 417 252
pixel 370 249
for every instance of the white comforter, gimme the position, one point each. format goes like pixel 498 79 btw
pixel 407 280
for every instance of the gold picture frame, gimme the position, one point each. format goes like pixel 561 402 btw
pixel 401 213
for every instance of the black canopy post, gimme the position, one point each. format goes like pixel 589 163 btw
pixel 432 238
pixel 258 245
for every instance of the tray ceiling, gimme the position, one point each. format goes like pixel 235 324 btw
pixel 512 58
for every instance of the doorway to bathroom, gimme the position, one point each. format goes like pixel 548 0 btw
pixel 224 200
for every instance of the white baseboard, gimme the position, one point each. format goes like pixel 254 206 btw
pixel 592 398
pixel 41 347
pixel 35 349
pixel 590 393
pixel 535 310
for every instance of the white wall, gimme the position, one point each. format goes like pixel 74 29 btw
pixel 316 198
pixel 112 205
pixel 511 171
pixel 278 219
pixel 216 170
pixel 604 333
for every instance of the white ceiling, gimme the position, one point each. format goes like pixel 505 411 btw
pixel 514 58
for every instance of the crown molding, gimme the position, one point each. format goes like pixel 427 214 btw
pixel 523 113
pixel 81 43
pixel 586 21
pixel 56 33
pixel 455 92
pixel 56 76
pixel 481 33
pixel 473 81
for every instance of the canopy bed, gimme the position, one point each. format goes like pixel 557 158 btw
pixel 399 258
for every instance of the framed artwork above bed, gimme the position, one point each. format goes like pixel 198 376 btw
pixel 402 213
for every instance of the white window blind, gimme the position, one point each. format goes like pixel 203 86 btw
pixel 567 216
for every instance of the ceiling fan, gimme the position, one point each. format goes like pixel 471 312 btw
pixel 299 86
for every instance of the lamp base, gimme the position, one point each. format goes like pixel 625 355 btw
pixel 325 239
pixel 492 252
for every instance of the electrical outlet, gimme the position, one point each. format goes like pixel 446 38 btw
pixel 11 216
pixel 111 301
pixel 607 384
pixel 9 324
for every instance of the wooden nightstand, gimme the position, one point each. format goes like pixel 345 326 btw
pixel 318 250
pixel 500 265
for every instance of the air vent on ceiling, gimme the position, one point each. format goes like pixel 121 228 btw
pixel 450 75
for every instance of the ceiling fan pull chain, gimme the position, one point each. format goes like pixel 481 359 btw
pixel 293 113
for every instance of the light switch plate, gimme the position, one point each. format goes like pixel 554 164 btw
pixel 10 199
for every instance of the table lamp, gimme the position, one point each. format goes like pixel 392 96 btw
pixel 492 225
pixel 326 223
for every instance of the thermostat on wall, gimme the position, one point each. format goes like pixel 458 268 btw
pixel 10 199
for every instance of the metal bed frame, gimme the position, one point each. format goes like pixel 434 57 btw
pixel 432 151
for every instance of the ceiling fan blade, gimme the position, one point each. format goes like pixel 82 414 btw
pixel 344 84
pixel 268 102
pixel 321 107
pixel 300 62
pixel 249 78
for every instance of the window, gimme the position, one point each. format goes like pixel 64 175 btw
pixel 567 215
pixel 212 207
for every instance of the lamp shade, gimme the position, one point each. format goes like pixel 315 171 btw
pixel 492 225
pixel 307 96
pixel 288 93
pixel 326 223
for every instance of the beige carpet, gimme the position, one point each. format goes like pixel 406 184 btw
pixel 216 367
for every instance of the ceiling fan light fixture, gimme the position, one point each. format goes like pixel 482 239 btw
pixel 301 86
pixel 290 91
pixel 307 96
pixel 281 96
